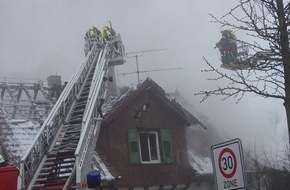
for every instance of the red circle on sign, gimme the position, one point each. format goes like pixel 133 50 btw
pixel 229 175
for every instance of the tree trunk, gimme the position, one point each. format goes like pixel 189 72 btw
pixel 287 108
pixel 284 42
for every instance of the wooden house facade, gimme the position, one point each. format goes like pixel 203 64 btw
pixel 142 140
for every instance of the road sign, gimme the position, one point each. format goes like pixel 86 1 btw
pixel 228 165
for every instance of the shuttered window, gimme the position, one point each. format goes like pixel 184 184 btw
pixel 166 141
pixel 144 146
pixel 133 142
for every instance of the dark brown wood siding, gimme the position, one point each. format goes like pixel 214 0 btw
pixel 113 144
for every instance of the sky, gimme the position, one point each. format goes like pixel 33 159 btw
pixel 43 38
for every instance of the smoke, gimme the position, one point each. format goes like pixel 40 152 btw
pixel 42 38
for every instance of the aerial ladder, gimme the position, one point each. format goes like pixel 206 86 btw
pixel 61 154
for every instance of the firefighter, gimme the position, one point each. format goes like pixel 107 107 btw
pixel 92 35
pixel 3 162
pixel 107 32
pixel 228 46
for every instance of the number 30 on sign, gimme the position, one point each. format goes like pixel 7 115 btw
pixel 228 165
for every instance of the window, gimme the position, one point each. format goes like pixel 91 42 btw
pixel 150 146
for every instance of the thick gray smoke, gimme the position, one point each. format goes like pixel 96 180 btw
pixel 40 38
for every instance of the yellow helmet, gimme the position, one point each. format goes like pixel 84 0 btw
pixel 106 30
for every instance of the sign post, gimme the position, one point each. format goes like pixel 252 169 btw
pixel 228 165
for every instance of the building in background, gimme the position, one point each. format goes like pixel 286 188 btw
pixel 24 105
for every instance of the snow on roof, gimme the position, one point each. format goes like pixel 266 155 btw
pixel 17 135
pixel 202 165
pixel 101 167
pixel 114 101
pixel 196 127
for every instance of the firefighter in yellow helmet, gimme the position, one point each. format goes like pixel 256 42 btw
pixel 92 35
pixel 228 46
pixel 107 32
pixel 93 32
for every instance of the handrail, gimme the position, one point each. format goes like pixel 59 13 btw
pixel 32 158
pixel 91 120
pixel 31 161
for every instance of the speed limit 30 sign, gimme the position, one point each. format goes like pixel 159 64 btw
pixel 228 165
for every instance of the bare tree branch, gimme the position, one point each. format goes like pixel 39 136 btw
pixel 267 22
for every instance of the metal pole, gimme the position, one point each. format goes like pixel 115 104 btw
pixel 137 69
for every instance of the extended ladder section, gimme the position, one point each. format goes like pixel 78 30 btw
pixel 60 156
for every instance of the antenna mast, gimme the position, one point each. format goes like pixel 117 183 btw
pixel 137 54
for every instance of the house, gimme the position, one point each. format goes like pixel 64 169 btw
pixel 16 137
pixel 24 107
pixel 142 140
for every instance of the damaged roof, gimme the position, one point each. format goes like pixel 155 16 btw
pixel 115 104
pixel 15 137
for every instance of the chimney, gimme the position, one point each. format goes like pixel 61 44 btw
pixel 112 86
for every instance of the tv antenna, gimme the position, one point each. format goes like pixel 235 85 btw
pixel 137 54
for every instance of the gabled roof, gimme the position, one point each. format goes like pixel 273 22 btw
pixel 116 105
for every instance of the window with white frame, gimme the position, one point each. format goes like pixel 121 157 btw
pixel 149 147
